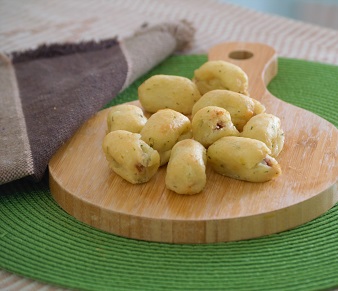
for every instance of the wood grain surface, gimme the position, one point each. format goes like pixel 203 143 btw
pixel 227 209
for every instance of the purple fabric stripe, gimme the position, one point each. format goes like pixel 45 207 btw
pixel 58 94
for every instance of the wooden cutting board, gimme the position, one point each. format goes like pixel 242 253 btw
pixel 227 209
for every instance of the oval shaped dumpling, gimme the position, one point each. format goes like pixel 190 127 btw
pixel 126 117
pixel 243 159
pixel 130 157
pixel 266 128
pixel 164 91
pixel 240 107
pixel 214 75
pixel 164 128
pixel 186 168
pixel 211 123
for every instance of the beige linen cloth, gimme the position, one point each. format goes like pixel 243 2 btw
pixel 26 24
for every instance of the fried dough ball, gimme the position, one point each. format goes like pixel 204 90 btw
pixel 165 91
pixel 266 128
pixel 186 168
pixel 130 157
pixel 243 159
pixel 240 107
pixel 214 75
pixel 210 123
pixel 164 129
pixel 126 117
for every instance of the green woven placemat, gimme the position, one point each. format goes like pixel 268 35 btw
pixel 39 240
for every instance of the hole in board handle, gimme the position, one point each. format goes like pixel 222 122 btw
pixel 240 55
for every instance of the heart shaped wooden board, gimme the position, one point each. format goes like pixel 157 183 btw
pixel 227 209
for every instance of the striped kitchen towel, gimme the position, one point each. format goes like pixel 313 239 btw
pixel 48 92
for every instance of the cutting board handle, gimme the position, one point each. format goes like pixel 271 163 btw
pixel 258 60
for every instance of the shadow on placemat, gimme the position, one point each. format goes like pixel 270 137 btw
pixel 39 240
